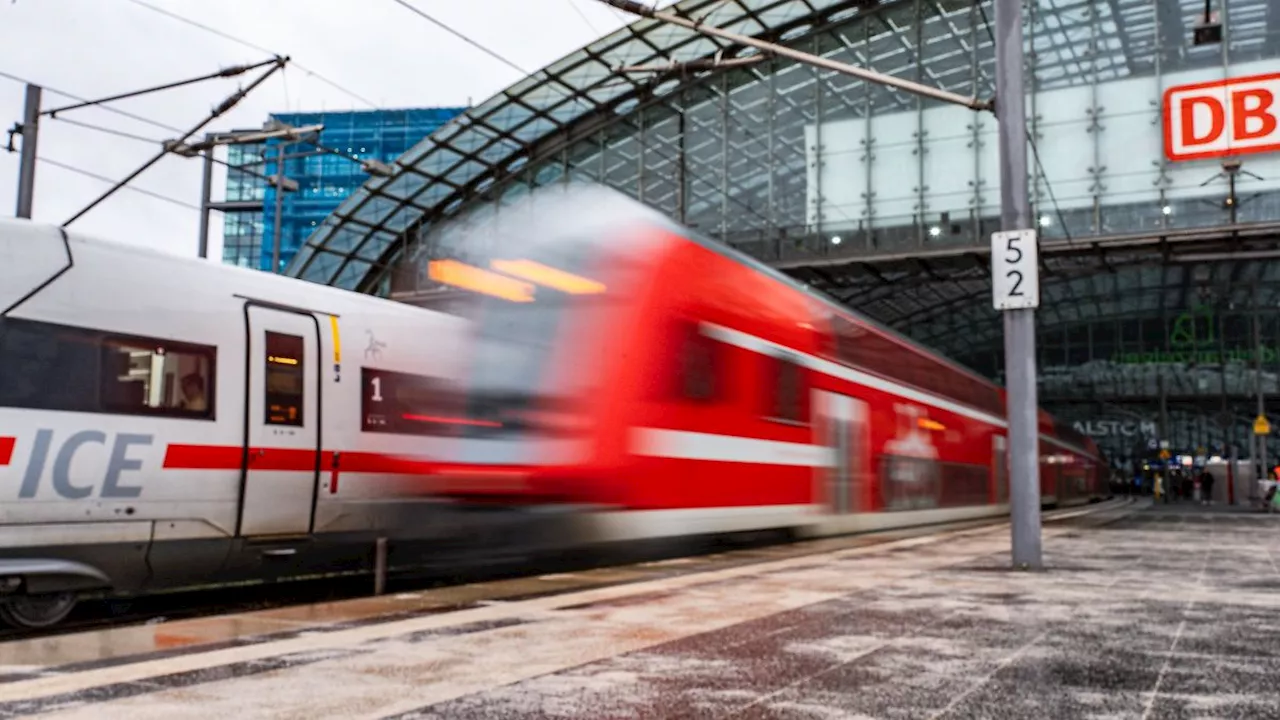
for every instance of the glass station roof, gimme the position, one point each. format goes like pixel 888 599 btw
pixel 945 302
pixel 720 145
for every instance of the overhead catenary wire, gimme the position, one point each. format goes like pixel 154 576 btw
pixel 110 131
pixel 154 142
pixel 254 46
pixel 222 108
pixel 106 108
pixel 226 72
pixel 473 43
pixel 573 4
pixel 110 181
pixel 160 143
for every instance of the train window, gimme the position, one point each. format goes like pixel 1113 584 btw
pixel 788 400
pixel 846 341
pixel 699 365
pixel 284 379
pixel 153 376
pixel 400 403
pixel 47 367
pixel 58 367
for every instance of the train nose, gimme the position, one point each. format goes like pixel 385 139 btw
pixel 29 256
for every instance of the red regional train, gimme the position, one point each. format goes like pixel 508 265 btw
pixel 675 386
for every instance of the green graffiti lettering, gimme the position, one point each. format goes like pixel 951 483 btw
pixel 1183 331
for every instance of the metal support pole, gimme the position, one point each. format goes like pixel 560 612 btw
pixel 27 163
pixel 682 170
pixel 206 189
pixel 1019 325
pixel 380 567
pixel 279 208
pixel 1262 402
pixel 1226 421
pixel 1231 477
pixel 1164 406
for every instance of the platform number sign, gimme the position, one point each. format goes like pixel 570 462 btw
pixel 1015 270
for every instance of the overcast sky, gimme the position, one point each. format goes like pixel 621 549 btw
pixel 376 49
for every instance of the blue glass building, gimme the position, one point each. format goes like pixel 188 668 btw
pixel 324 176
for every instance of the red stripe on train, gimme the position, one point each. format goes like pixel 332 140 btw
pixel 230 457
pixel 203 457
pixel 6 449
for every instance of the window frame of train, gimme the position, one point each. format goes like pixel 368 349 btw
pixel 279 347
pixel 698 364
pixel 115 342
pixel 378 385
pixel 91 362
pixel 779 367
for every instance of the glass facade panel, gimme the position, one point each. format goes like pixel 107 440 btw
pixel 324 179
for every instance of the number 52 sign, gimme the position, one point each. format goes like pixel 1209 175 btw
pixel 1015 270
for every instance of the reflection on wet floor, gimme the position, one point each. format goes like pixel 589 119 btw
pixel 24 658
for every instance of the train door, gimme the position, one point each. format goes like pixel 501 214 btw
pixel 283 434
pixel 841 424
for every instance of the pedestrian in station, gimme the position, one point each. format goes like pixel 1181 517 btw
pixel 1206 487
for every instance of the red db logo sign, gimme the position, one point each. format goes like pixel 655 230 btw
pixel 1224 117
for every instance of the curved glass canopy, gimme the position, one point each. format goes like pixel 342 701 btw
pixel 535 119
pixel 730 142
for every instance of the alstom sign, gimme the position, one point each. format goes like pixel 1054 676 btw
pixel 1225 117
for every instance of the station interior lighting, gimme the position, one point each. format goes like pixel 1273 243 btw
pixel 547 276
pixel 1208 28
pixel 468 277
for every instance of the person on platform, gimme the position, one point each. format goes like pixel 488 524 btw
pixel 1206 487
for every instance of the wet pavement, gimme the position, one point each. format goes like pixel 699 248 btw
pixel 1144 612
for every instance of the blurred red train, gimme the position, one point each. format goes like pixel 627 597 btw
pixel 678 387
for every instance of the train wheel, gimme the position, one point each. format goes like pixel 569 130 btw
pixel 37 611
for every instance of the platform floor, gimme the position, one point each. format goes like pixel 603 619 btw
pixel 1144 613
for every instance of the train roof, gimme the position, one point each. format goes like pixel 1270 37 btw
pixel 264 286
pixel 830 302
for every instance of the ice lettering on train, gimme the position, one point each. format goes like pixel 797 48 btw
pixel 62 466
pixel 111 486
pixel 120 462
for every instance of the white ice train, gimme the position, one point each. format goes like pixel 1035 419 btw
pixel 167 422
